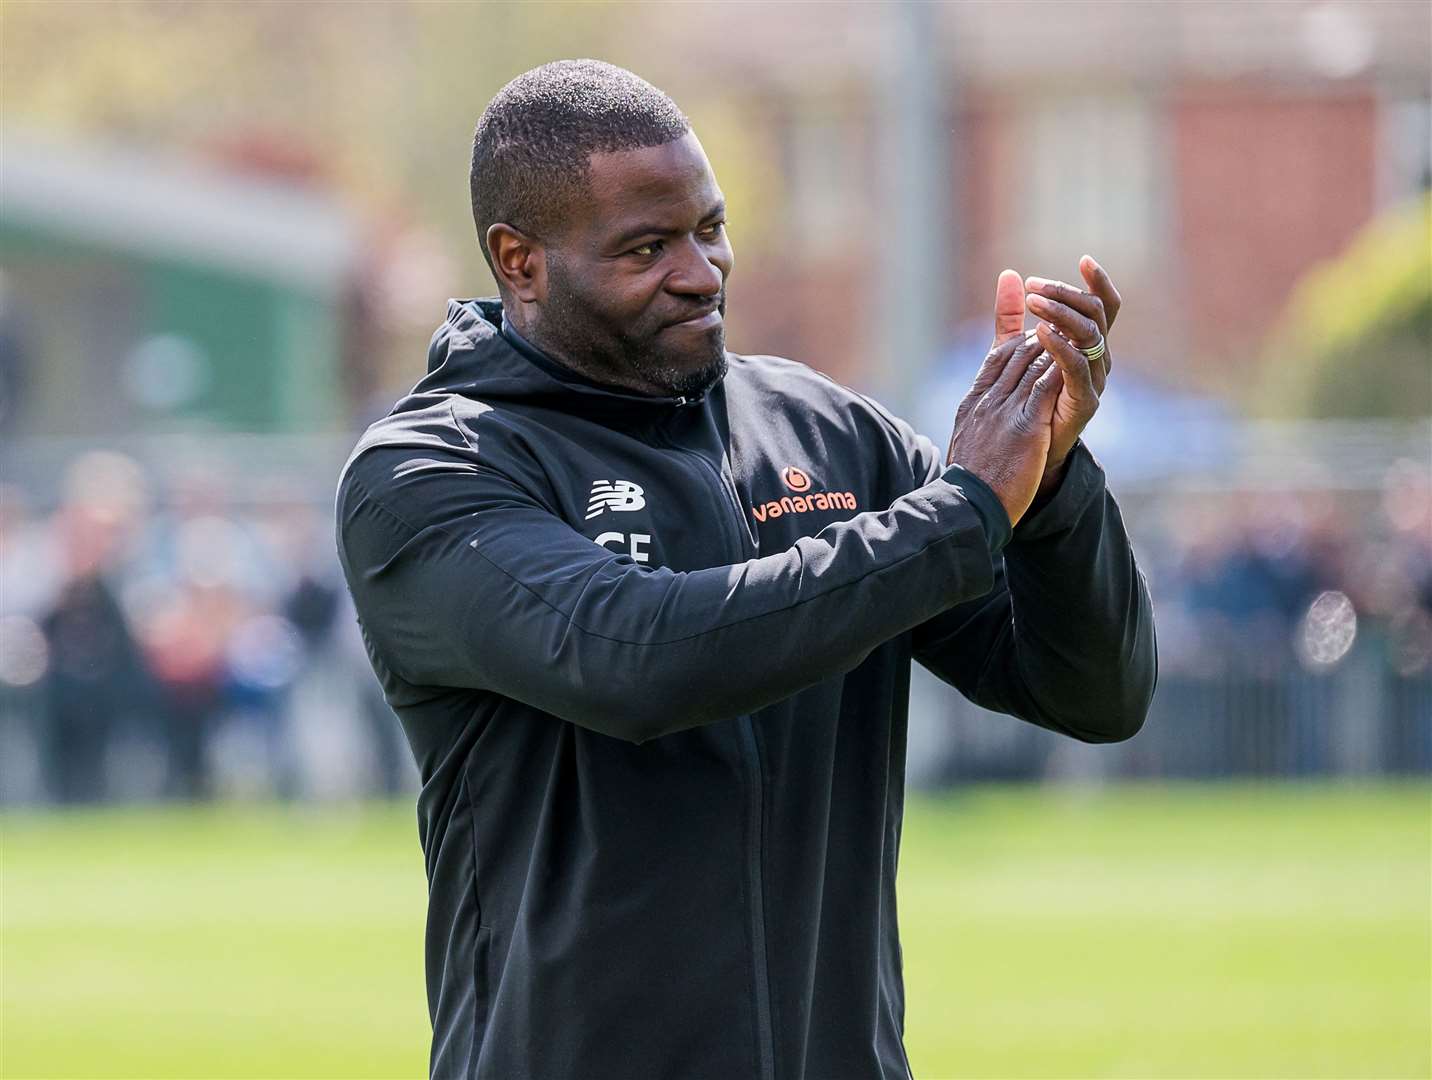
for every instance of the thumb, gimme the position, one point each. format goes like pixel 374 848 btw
pixel 1008 306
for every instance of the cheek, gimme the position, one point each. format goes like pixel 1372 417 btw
pixel 605 298
pixel 724 257
pixel 632 301
pixel 635 295
pixel 617 291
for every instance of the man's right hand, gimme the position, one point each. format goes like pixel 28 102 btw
pixel 1003 425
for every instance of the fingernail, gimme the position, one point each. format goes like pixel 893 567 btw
pixel 1035 283
pixel 1037 301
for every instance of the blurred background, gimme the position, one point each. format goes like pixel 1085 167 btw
pixel 226 234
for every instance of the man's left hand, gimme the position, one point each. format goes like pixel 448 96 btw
pixel 1071 319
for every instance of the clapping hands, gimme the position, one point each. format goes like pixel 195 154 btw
pixel 1036 392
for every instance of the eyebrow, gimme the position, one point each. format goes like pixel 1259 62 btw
pixel 629 235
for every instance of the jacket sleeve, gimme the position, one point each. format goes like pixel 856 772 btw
pixel 463 579
pixel 1065 638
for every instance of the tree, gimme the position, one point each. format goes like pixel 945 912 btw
pixel 1356 338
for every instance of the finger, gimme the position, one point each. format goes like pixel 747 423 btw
pixel 994 363
pixel 1099 375
pixel 1078 380
pixel 1078 328
pixel 1037 367
pixel 1024 355
pixel 1088 305
pixel 1100 285
pixel 1008 306
pixel 1099 371
pixel 1044 393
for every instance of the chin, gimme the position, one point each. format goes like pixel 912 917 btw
pixel 690 376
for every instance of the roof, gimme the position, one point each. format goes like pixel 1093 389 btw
pixel 125 200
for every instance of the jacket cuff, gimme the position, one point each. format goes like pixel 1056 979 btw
pixel 986 503
pixel 1083 482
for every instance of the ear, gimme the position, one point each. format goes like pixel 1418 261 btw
pixel 519 262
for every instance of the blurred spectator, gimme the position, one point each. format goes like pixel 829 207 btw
pixel 96 675
pixel 94 668
pixel 186 641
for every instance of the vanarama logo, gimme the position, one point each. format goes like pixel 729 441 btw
pixel 799 481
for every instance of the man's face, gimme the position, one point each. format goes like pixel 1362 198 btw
pixel 636 278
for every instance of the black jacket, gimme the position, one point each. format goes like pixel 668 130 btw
pixel 652 657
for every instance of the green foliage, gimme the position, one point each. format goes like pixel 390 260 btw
pixel 1211 931
pixel 1356 339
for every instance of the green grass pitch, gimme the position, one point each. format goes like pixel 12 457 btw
pixel 1184 931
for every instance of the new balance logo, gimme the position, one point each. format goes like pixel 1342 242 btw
pixel 614 495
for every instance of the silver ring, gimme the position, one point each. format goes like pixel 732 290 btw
pixel 1096 351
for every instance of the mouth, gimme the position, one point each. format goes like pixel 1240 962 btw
pixel 705 319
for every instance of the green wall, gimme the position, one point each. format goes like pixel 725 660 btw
pixel 272 349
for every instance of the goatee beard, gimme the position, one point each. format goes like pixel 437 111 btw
pixel 678 382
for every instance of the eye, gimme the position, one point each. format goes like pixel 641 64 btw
pixel 712 231
pixel 646 250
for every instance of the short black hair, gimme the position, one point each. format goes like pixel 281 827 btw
pixel 530 150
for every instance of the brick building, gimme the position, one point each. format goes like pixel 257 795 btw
pixel 1208 153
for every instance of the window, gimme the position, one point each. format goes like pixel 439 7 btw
pixel 1091 172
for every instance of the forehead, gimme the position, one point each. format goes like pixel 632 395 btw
pixel 673 182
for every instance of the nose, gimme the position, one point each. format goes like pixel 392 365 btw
pixel 699 271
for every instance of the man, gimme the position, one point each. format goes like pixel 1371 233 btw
pixel 646 610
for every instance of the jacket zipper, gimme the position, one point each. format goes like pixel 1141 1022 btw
pixel 755 782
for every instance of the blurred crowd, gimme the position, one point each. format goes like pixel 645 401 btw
pixel 1295 632
pixel 1259 581
pixel 171 643
pixel 160 638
